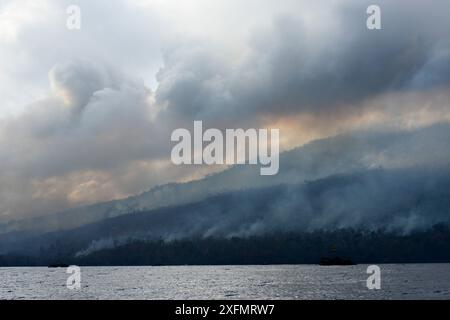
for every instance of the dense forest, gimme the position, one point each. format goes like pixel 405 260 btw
pixel 432 245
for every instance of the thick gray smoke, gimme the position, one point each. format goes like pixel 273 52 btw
pixel 397 181
pixel 395 200
pixel 98 132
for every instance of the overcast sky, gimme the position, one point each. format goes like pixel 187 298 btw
pixel 86 115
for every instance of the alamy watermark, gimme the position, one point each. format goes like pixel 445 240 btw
pixel 373 22
pixel 374 280
pixel 74 280
pixel 73 21
pixel 241 146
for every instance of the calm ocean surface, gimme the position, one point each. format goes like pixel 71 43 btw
pixel 398 281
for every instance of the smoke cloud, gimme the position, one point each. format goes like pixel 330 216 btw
pixel 90 119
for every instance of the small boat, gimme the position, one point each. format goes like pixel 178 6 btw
pixel 334 260
pixel 58 265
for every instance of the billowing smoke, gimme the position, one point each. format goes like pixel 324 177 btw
pixel 393 181
pixel 99 127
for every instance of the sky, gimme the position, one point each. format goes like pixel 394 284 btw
pixel 86 115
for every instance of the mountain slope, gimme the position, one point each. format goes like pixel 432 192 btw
pixel 396 200
pixel 342 154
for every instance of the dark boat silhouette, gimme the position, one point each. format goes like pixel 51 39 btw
pixel 334 260
pixel 58 265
